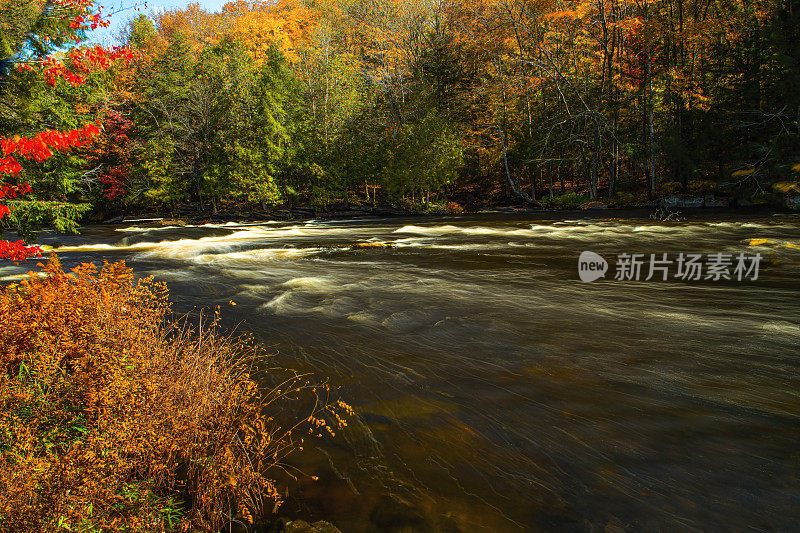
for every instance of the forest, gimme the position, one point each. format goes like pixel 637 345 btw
pixel 328 103
pixel 488 387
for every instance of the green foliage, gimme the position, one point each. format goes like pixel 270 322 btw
pixel 155 164
pixel 28 215
pixel 218 124
pixel 570 200
pixel 702 186
pixel 31 30
pixel 28 28
pixel 423 156
pixel 141 32
pixel 624 199
pixel 406 102
pixel 245 171
pixel 671 187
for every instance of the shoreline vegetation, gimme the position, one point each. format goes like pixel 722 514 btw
pixel 116 415
pixel 671 208
pixel 448 107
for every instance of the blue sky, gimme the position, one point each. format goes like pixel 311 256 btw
pixel 108 35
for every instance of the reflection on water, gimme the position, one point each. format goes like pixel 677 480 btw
pixel 496 391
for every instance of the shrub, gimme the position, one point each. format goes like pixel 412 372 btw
pixel 702 186
pixel 670 188
pixel 570 200
pixel 623 199
pixel 116 418
pixel 454 208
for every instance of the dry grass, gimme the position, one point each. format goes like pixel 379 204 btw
pixel 114 418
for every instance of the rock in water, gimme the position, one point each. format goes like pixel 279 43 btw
pixel 360 245
pixel 301 526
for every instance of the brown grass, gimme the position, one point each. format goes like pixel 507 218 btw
pixel 113 417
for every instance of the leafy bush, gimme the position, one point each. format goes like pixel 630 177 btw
pixel 114 418
pixel 623 199
pixel 454 208
pixel 570 200
pixel 670 188
pixel 27 215
pixel 702 186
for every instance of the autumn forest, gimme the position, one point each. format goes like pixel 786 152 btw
pixel 459 104
pixel 324 359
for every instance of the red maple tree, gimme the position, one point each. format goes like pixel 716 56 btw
pixel 72 67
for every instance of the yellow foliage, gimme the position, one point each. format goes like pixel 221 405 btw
pixel 759 242
pixel 287 24
pixel 786 186
pixel 257 23
pixel 742 173
pixel 568 14
pixel 198 25
pixel 114 418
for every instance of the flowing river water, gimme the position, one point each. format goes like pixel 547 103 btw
pixel 495 391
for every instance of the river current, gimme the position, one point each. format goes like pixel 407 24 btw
pixel 495 391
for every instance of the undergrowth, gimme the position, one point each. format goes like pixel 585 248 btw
pixel 116 417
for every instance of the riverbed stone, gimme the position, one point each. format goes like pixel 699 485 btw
pixel 711 201
pixel 594 205
pixel 301 526
pixel 671 201
pixel 694 201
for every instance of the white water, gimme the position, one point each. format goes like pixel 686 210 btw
pixel 496 391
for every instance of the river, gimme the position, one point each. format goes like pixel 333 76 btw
pixel 495 391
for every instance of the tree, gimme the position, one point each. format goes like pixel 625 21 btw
pixel 29 41
pixel 223 117
pixel 496 100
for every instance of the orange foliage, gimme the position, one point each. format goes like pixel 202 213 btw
pixel 114 419
pixel 287 23
pixel 257 23
pixel 568 14
pixel 199 26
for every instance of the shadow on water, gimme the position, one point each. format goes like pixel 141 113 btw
pixel 497 392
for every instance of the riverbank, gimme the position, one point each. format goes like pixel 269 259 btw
pixel 495 390
pixel 115 417
pixel 668 208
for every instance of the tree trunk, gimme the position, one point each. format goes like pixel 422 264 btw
pixel 598 147
pixel 584 163
pixel 650 132
pixel 511 182
pixel 614 172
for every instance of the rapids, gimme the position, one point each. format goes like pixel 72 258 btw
pixel 495 390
